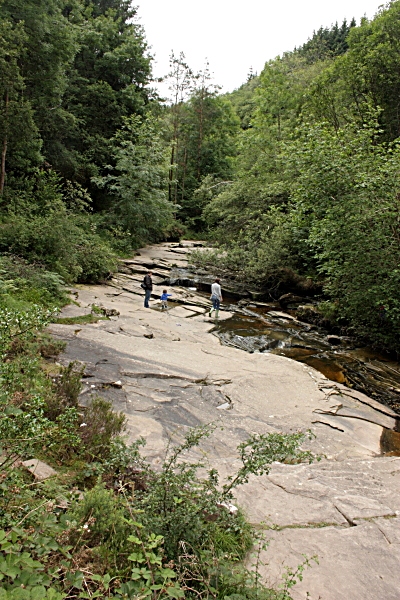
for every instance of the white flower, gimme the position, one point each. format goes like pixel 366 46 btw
pixel 83 425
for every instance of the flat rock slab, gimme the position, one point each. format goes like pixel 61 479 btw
pixel 39 469
pixel 343 509
pixel 281 315
pixel 182 311
pixel 357 563
pixel 72 311
pixel 343 493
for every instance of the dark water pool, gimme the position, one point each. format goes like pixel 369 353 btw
pixel 263 329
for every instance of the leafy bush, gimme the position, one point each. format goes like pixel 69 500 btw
pixel 67 385
pixel 40 226
pixel 30 283
pixel 168 532
pixel 101 425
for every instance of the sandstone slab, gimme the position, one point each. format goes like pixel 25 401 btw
pixel 343 509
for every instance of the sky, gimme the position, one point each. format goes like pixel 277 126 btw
pixel 237 36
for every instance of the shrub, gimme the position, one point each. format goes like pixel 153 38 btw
pixel 101 425
pixel 41 227
pixel 67 386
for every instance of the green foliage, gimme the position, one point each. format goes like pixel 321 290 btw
pixel 70 73
pixel 38 412
pixel 29 283
pixel 39 227
pixel 107 82
pixel 101 425
pixel 201 128
pixel 22 576
pixel 244 101
pixel 327 43
pixel 347 193
pixel 139 188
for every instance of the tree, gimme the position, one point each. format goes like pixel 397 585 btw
pixel 47 48
pixel 37 43
pixel 327 43
pixel 108 82
pixel 347 193
pixel 139 181
pixel 202 134
pixel 181 81
pixel 15 114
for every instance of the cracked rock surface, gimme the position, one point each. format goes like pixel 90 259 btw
pixel 168 373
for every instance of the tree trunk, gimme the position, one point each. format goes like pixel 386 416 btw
pixel 171 173
pixel 4 150
pixel 184 173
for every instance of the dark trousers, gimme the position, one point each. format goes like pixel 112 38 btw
pixel 147 296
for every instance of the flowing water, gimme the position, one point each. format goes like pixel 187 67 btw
pixel 267 329
pixel 262 327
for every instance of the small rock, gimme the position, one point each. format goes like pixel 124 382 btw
pixel 62 503
pixel 288 298
pixel 116 384
pixel 149 336
pixel 231 508
pixel 110 312
pixel 39 469
pixel 225 406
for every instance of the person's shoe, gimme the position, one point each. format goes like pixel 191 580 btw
pixel 210 313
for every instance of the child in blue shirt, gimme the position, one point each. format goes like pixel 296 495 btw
pixel 164 300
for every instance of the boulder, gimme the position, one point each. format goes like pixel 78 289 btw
pixel 39 469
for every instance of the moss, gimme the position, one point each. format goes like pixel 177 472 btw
pixel 80 320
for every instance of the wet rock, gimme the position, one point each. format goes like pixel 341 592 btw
pixel 281 315
pixel 287 299
pixel 243 302
pixel 334 340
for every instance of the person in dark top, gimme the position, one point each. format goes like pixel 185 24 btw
pixel 148 287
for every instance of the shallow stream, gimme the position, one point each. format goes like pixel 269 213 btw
pixel 266 329
pixel 262 327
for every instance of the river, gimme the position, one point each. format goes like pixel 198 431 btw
pixel 264 327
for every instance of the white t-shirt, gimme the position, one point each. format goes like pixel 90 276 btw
pixel 216 291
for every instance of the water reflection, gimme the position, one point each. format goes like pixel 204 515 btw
pixel 266 329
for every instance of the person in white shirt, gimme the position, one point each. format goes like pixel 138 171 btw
pixel 216 297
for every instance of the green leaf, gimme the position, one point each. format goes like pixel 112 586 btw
pixel 175 592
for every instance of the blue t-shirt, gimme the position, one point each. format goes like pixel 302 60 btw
pixel 165 296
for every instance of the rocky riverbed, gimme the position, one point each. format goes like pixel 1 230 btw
pixel 168 372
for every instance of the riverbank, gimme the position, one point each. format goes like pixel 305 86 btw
pixel 168 373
